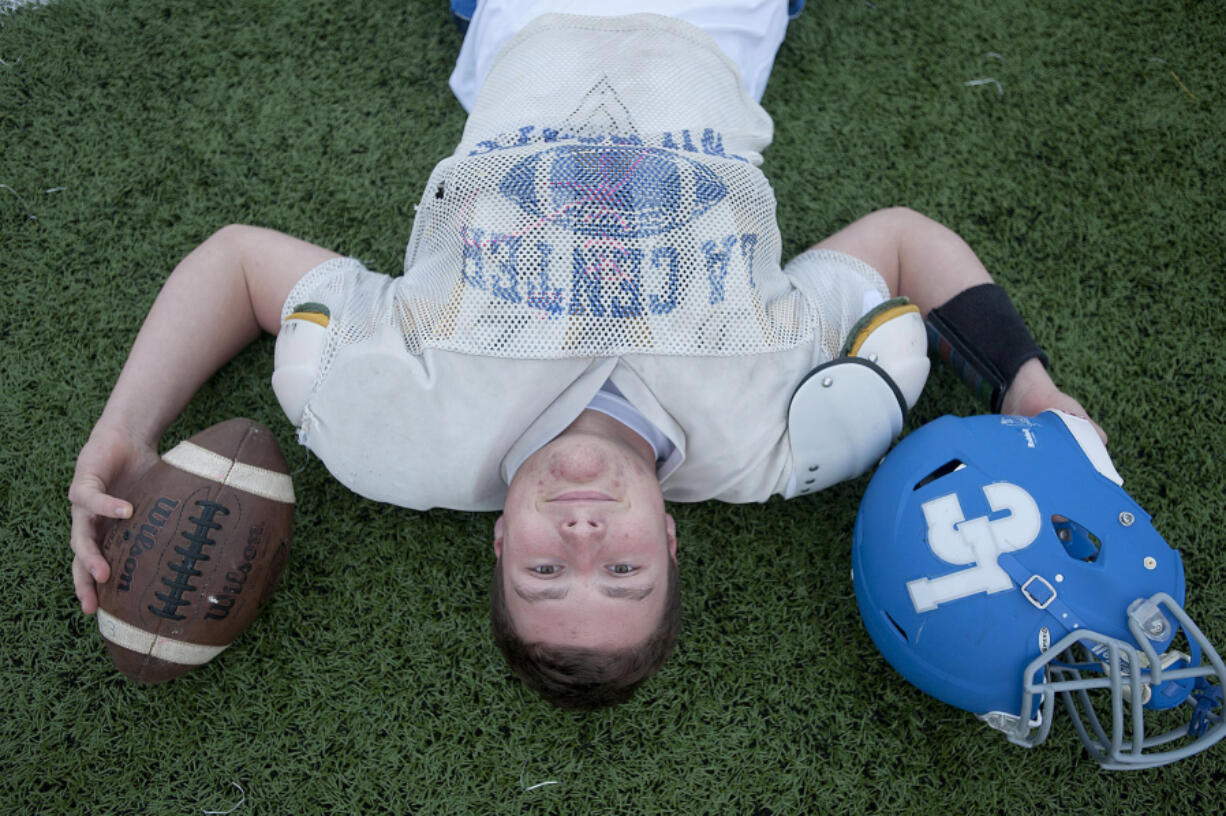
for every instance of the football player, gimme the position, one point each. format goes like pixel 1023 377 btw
pixel 594 317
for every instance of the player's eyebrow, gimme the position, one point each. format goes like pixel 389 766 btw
pixel 534 595
pixel 627 592
pixel 558 593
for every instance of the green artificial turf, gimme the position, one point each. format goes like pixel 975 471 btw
pixel 1089 177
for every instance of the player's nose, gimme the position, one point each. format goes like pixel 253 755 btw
pixel 582 529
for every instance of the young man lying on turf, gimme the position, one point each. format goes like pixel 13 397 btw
pixel 593 318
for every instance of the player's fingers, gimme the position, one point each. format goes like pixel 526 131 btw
pixel 86 590
pixel 88 566
pixel 89 493
pixel 1101 433
pixel 83 540
pixel 1073 407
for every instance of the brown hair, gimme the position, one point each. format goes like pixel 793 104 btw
pixel 585 679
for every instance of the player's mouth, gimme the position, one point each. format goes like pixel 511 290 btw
pixel 581 495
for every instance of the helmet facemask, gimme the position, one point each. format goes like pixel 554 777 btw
pixel 1085 662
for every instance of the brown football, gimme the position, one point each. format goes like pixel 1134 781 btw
pixel 199 558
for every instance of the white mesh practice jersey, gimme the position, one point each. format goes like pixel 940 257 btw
pixel 603 217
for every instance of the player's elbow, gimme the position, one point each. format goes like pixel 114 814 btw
pixel 232 237
pixel 904 220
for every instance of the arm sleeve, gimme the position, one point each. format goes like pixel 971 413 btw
pixel 334 303
pixel 840 289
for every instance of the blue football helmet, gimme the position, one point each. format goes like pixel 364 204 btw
pixel 998 564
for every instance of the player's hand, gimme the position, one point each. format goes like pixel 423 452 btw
pixel 1032 392
pixel 110 462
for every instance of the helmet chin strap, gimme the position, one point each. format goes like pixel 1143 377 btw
pixel 1040 592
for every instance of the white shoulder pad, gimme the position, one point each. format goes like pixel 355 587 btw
pixel 899 344
pixel 295 364
pixel 841 421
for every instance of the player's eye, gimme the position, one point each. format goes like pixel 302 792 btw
pixel 546 569
pixel 623 569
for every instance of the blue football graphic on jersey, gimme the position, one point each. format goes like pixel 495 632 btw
pixel 616 192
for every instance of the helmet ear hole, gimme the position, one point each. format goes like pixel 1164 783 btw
pixel 944 470
pixel 1078 541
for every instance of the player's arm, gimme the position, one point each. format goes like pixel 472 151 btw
pixel 217 300
pixel 932 266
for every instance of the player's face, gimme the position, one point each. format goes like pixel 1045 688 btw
pixel 585 543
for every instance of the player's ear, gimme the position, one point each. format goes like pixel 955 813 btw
pixel 498 537
pixel 670 527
